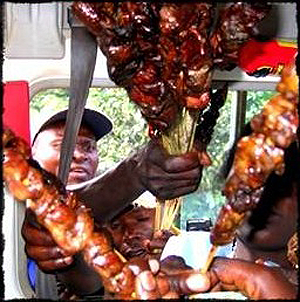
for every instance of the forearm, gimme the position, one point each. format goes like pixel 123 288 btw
pixel 113 190
pixel 150 168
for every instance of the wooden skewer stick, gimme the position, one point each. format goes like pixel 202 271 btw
pixel 209 259
pixel 158 215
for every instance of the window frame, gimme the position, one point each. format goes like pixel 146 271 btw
pixel 63 82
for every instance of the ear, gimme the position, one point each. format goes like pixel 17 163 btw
pixel 34 148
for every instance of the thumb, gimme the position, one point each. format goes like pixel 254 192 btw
pixel 190 282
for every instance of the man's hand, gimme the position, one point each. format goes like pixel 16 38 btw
pixel 167 176
pixel 174 264
pixel 40 246
pixel 51 259
pixel 253 280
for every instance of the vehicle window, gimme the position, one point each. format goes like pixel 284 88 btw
pixel 206 201
pixel 130 132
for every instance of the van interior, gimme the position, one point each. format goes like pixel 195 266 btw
pixel 37 57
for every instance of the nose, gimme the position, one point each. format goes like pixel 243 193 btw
pixel 130 233
pixel 79 154
pixel 127 233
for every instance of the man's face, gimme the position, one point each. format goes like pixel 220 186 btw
pixel 46 150
pixel 132 231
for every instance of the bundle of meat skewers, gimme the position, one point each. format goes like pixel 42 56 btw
pixel 164 55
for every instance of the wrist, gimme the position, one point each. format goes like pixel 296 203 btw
pixel 133 164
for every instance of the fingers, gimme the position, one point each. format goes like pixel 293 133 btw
pixel 40 246
pixel 55 264
pixel 145 282
pixel 195 283
pixel 159 240
pixel 185 162
pixel 167 186
pixel 33 233
pixel 235 280
pixel 174 264
pixel 156 245
pixel 183 283
pixel 253 280
pixel 176 192
pixel 151 283
pixel 171 163
pixel 169 168
pixel 42 253
pixel 146 287
pixel 49 259
pixel 156 174
pixel 153 265
pixel 167 176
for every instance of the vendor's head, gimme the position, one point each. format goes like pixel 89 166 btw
pixel 132 228
pixel 274 220
pixel 48 140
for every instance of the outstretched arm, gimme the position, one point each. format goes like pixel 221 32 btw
pixel 257 282
pixel 150 168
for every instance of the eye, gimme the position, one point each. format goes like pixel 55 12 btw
pixel 143 219
pixel 56 145
pixel 87 146
pixel 115 225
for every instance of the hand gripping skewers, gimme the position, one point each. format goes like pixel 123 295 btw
pixel 256 157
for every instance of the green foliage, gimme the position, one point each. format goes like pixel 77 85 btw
pixel 50 99
pixel 129 130
pixel 255 101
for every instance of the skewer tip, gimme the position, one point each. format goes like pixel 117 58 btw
pixel 209 259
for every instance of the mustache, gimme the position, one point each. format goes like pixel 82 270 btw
pixel 78 168
pixel 135 246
